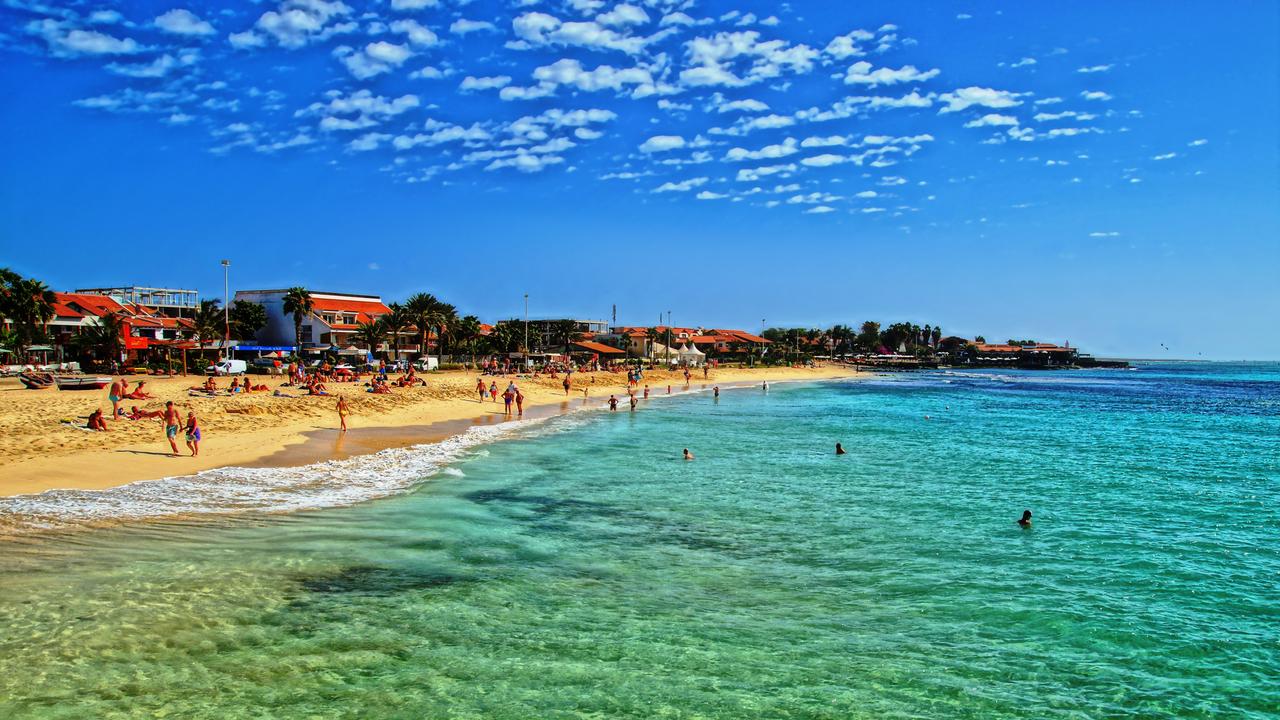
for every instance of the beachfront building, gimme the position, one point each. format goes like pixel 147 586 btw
pixel 331 325
pixel 143 328
pixel 166 302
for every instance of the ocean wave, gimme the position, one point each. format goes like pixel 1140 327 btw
pixel 231 490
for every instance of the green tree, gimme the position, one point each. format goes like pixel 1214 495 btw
pixel 505 337
pixel 371 335
pixel 427 312
pixel 27 304
pixel 247 318
pixel 207 322
pixel 466 332
pixel 299 304
pixel 396 322
pixel 869 336
pixel 565 331
pixel 101 341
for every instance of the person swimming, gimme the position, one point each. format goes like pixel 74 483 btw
pixel 839 449
pixel 688 455
pixel 1025 522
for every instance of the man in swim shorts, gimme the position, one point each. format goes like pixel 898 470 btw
pixel 172 421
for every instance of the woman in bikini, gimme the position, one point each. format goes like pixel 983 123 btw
pixel 193 433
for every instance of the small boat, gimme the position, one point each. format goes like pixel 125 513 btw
pixel 35 380
pixel 66 382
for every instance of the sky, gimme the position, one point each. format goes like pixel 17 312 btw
pixel 1096 173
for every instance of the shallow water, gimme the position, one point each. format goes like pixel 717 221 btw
pixel 583 570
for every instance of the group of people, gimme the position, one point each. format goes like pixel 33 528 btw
pixel 120 391
pixel 170 417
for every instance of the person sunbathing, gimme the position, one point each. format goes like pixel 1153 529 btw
pixel 135 413
pixel 96 422
pixel 258 388
pixel 140 394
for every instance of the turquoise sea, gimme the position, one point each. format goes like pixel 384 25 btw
pixel 580 569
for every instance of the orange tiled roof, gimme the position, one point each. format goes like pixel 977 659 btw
pixel 598 347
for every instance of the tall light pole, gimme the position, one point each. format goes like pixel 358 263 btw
pixel 668 350
pixel 526 329
pixel 226 301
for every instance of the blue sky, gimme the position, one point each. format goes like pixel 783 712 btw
pixel 1103 174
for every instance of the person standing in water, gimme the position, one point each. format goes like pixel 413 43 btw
pixel 688 455
pixel 1025 522
pixel 717 392
pixel 613 403
pixel 519 403
pixel 839 449
pixel 342 413
pixel 566 384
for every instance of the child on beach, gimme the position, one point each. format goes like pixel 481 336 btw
pixel 493 391
pixel 193 433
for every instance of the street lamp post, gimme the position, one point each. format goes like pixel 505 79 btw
pixel 526 329
pixel 668 350
pixel 226 301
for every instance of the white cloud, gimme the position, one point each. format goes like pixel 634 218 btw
pixel 676 18
pixel 712 59
pixel 1049 101
pixel 1024 62
pixel 623 15
pixel 463 26
pixel 537 28
pixel 708 195
pixel 992 120
pixel 441 133
pixel 662 143
pixel 819 210
pixel 747 105
pixel 682 186
pixel 427 73
pixel 376 58
pixel 413 4
pixel 1198 143
pixel 768 152
pixel 819 141
pixel 470 83
pixel 1065 114
pixel 1110 233
pixel 860 73
pixel 987 97
pixel 360 109
pixel 526 162
pixel 754 174
pixel 183 22
pixel 296 22
pixel 867 194
pixel 846 46
pixel 159 67
pixel 1095 95
pixel 368 141
pixel 587 134
pixel 65 41
pixel 1095 69
pixel 417 34
pixel 1166 156
pixel 825 160
pixel 245 40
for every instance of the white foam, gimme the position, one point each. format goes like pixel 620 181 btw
pixel 268 490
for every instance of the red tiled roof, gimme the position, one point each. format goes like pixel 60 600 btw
pixel 999 348
pixel 741 335
pixel 63 310
pixel 598 347
pixel 366 307
pixel 96 305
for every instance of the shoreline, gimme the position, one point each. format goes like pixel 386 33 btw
pixel 257 439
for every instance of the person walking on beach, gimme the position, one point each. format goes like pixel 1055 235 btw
pixel 342 413
pixel 115 394
pixel 480 388
pixel 493 391
pixel 687 375
pixel 613 403
pixel 172 421
pixel 566 384
pixel 519 403
pixel 704 372
pixel 193 433
pixel 507 397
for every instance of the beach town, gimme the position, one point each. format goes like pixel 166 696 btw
pixel 106 386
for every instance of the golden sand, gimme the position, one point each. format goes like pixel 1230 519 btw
pixel 38 451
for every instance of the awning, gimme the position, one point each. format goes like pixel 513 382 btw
pixel 601 348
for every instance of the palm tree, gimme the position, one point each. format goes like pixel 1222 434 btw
pixel 207 322
pixel 371 334
pixel 446 318
pixel 465 332
pixel 651 335
pixel 565 331
pixel 28 304
pixel 504 338
pixel 101 340
pixel 424 308
pixel 396 322
pixel 298 303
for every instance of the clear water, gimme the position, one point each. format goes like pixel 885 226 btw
pixel 583 570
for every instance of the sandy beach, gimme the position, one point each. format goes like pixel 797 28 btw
pixel 40 450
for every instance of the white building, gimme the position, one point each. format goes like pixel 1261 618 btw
pixel 333 319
